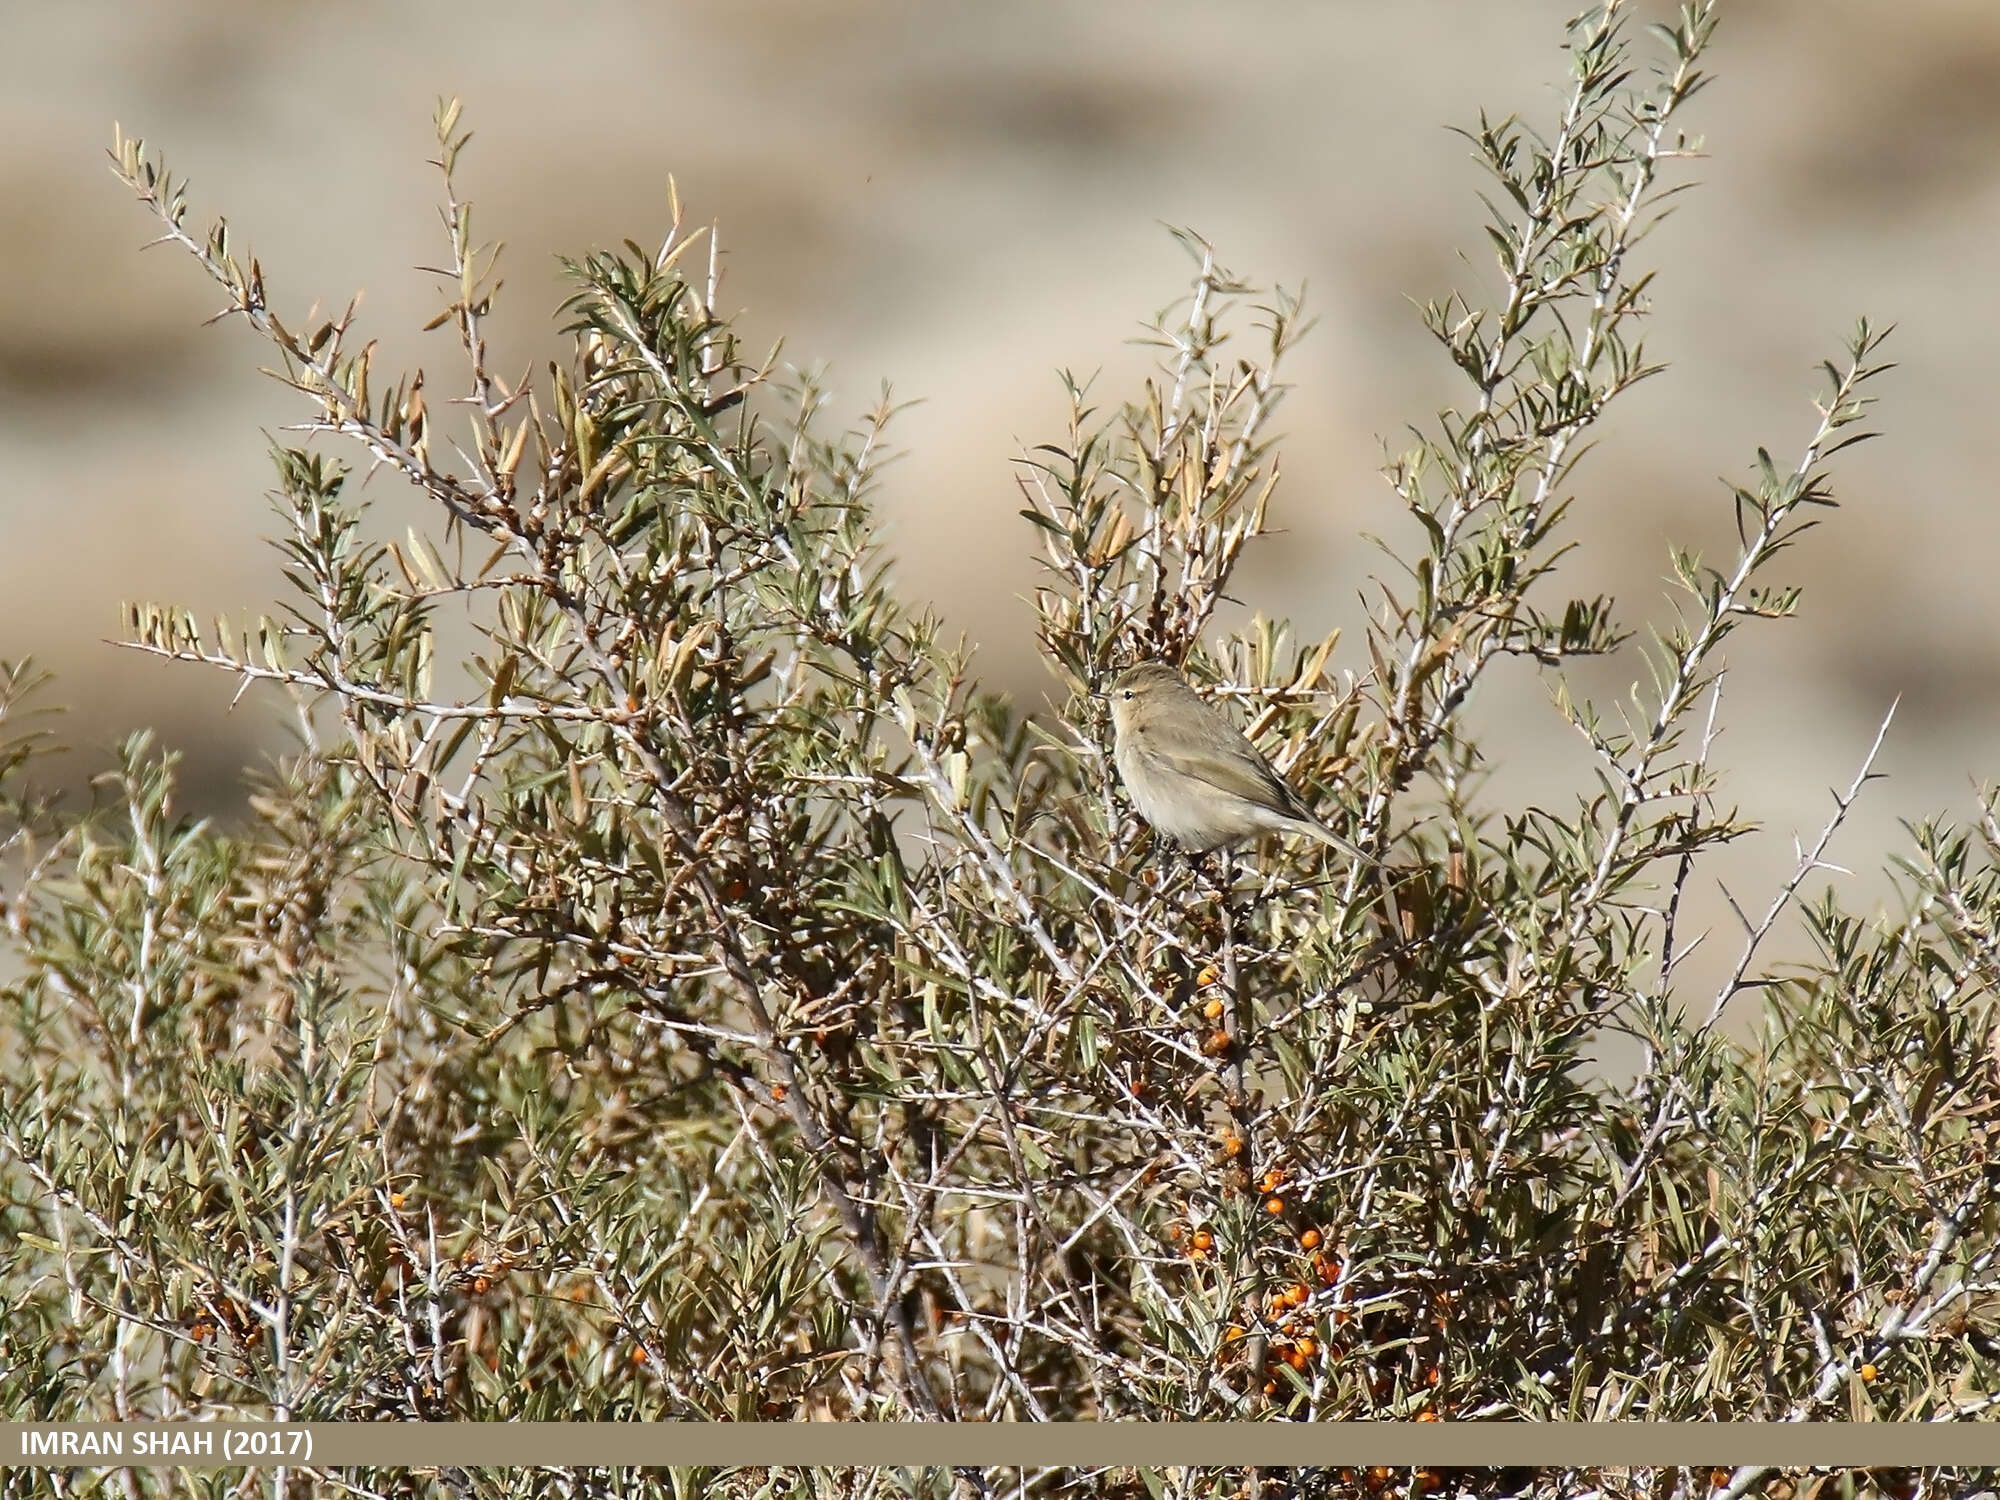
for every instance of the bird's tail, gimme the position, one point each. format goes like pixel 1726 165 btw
pixel 1312 828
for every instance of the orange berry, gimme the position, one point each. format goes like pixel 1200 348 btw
pixel 481 1286
pixel 1427 1416
pixel 1232 1145
pixel 1213 1010
pixel 638 1354
pixel 1297 1294
pixel 1216 1043
pixel 778 1092
pixel 1274 1206
pixel 1270 1387
pixel 1232 1334
pixel 397 1200
pixel 1203 1240
pixel 1869 1372
pixel 1209 975
pixel 1431 1376
pixel 1309 1240
pixel 1295 1357
pixel 1307 1348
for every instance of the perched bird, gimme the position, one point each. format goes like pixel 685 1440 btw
pixel 1193 774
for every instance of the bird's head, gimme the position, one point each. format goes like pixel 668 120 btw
pixel 1143 689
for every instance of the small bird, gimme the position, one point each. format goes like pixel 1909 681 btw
pixel 1194 775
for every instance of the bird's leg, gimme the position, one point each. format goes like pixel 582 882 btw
pixel 1197 867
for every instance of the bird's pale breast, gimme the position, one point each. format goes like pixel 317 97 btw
pixel 1195 813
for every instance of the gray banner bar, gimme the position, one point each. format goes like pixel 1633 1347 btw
pixel 1055 1445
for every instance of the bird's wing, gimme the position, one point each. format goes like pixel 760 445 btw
pixel 1240 772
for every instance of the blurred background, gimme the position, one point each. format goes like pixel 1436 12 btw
pixel 963 200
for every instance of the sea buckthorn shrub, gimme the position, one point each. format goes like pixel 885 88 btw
pixel 706 1000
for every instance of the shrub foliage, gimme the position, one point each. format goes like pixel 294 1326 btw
pixel 708 1001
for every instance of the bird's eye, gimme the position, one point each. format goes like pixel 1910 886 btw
pixel 1128 695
